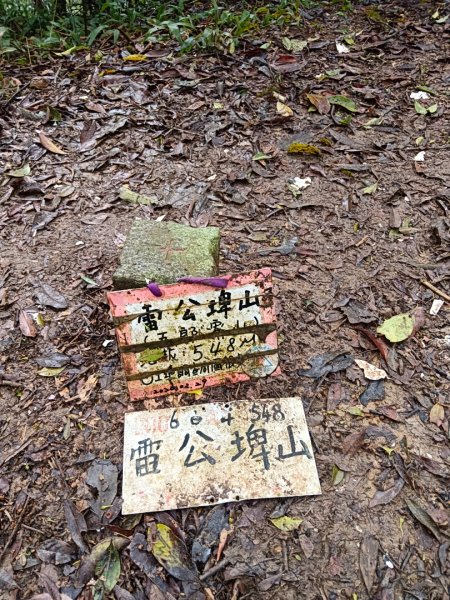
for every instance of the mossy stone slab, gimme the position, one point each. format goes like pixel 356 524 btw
pixel 164 251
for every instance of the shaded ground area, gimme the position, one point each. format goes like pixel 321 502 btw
pixel 346 254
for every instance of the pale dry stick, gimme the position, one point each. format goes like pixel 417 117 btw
pixel 33 529
pixel 362 241
pixel 285 556
pixel 435 290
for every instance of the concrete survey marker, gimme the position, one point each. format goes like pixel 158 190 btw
pixel 214 453
pixel 195 336
pixel 164 251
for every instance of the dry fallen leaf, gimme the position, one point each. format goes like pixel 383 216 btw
pixel 50 372
pixel 386 496
pixel 49 145
pixel 424 518
pixel 284 109
pixel 85 389
pixel 22 172
pixel 370 371
pixel 320 102
pixel 48 296
pixel 4 297
pixel 26 324
pixel 437 414
pixel 222 542
pixel 368 560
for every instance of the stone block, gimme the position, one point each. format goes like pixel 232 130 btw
pixel 164 251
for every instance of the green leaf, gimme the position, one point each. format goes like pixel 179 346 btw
pixel 260 156
pixel 420 109
pixel 425 88
pixel 172 554
pixel 342 118
pixel 432 109
pixel 398 328
pixel 286 43
pixel 50 372
pixel 98 591
pixel 337 475
pixel 22 172
pixel 100 549
pixel 71 50
pixel 394 234
pixel 130 196
pixel 88 280
pixel 287 523
pixel 94 33
pixel 107 568
pixel 151 355
pixel 370 189
pixel 294 45
pixel 66 431
pixel 344 102
pixel 54 114
pixel 356 411
pixel 373 122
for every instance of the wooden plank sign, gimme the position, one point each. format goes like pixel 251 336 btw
pixel 195 336
pixel 217 452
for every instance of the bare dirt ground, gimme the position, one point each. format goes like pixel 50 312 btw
pixel 187 130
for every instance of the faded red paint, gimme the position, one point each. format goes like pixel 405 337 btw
pixel 120 302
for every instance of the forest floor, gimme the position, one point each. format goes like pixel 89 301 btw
pixel 208 136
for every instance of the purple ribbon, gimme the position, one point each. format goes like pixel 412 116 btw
pixel 217 282
pixel 154 288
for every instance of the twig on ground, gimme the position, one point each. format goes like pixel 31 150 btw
pixel 435 290
pixel 19 91
pixel 213 570
pixel 285 556
pixel 14 531
pixel 362 241
pixel 16 451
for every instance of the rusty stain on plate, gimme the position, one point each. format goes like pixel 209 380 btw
pixel 218 452
pixel 195 336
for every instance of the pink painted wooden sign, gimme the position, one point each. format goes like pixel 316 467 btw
pixel 195 336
